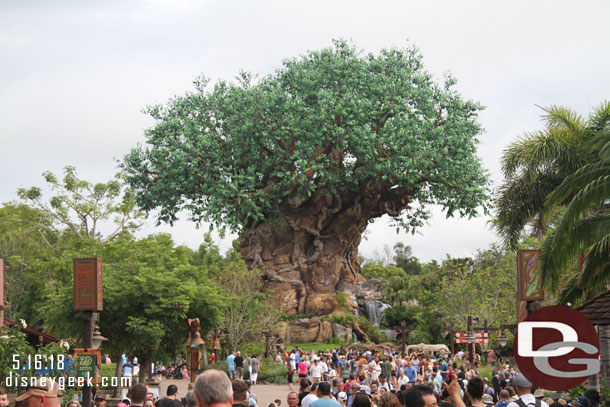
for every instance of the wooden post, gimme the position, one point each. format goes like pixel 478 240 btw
pixel 452 338
pixel 470 345
pixel 87 344
pixel 403 331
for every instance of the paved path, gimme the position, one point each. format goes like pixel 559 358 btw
pixel 265 393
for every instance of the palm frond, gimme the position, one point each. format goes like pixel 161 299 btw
pixel 561 248
pixel 572 183
pixel 518 202
pixel 571 293
pixel 590 282
pixel 587 199
pixel 600 118
pixel 597 259
pixel 562 117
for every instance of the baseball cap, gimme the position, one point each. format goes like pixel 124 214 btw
pixel 342 395
pixel 583 400
pixel 592 395
pixel 521 381
pixel 42 387
pixel 100 397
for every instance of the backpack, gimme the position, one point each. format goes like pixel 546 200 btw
pixel 522 403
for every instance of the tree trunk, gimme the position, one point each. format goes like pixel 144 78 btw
pixel 118 372
pixel 309 251
pixel 143 370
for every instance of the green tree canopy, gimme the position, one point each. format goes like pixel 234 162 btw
pixel 533 166
pixel 337 122
pixel 584 225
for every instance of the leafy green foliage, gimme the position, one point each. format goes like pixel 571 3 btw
pixel 375 334
pixel 585 223
pixel 482 285
pixel 84 207
pixel 534 166
pixel 248 311
pixel 399 289
pixel 335 122
pixel 272 372
pixel 395 316
pixel 341 319
pixel 405 259
pixel 378 269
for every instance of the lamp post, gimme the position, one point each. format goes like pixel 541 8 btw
pixel 470 339
pixel 223 347
pixel 216 344
pixel 88 297
pixel 502 339
pixel 97 339
pixel 193 343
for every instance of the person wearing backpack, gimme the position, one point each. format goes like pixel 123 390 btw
pixel 524 390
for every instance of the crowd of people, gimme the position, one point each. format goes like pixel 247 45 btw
pixel 341 379
pixel 374 374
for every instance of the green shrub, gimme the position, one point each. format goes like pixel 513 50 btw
pixel 252 348
pixel 313 347
pixel 341 319
pixel 272 372
pixel 485 371
pixel 374 333
pixel 342 300
pixel 219 365
pixel 286 317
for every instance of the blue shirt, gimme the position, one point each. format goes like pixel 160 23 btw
pixel 325 402
pixel 231 362
pixel 411 372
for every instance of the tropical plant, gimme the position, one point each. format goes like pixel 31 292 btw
pixel 533 167
pixel 585 225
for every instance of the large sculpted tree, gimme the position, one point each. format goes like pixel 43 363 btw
pixel 300 161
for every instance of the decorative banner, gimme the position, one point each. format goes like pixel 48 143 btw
pixel 88 364
pixel 557 348
pixel 476 335
pixel 88 293
pixel 528 276
pixel 478 340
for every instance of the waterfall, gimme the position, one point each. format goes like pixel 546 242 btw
pixel 372 310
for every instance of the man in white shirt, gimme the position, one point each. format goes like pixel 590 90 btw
pixel 315 371
pixel 402 378
pixel 324 369
pixel 311 397
pixel 524 390
pixel 293 361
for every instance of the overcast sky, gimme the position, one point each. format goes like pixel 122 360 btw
pixel 75 75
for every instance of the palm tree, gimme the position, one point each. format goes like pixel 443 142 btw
pixel 533 167
pixel 585 226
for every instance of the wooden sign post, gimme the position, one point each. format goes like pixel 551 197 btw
pixel 88 297
pixel 529 290
pixel 88 292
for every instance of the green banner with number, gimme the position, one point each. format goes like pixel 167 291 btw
pixel 85 364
